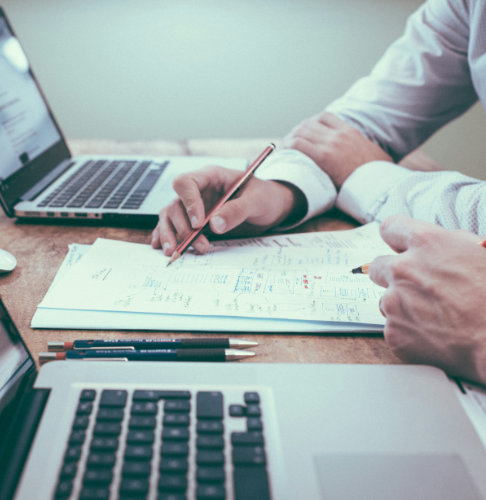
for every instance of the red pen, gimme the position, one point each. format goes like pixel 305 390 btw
pixel 184 245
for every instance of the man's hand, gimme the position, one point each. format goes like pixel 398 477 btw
pixel 258 206
pixel 435 298
pixel 336 147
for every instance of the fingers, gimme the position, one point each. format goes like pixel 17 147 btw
pixel 380 270
pixel 189 188
pixel 173 227
pixel 402 233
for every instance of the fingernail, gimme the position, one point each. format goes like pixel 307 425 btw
pixel 194 221
pixel 218 223
pixel 165 247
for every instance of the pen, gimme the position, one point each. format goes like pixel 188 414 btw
pixel 185 243
pixel 130 344
pixel 148 355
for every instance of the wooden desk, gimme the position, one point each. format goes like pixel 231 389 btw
pixel 40 249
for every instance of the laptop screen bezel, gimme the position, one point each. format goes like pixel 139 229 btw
pixel 13 187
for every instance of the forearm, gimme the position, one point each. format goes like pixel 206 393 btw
pixel 422 82
pixel 449 199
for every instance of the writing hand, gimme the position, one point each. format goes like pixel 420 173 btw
pixel 434 302
pixel 258 206
pixel 336 147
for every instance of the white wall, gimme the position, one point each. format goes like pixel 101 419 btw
pixel 171 69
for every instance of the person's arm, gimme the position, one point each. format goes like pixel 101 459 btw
pixel 272 197
pixel 422 81
pixel 434 298
pixel 449 199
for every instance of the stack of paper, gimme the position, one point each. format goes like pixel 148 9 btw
pixel 288 283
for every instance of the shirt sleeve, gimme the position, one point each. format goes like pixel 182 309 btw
pixel 450 199
pixel 293 167
pixel 421 82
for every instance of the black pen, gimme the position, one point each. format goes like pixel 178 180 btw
pixel 148 355
pixel 130 344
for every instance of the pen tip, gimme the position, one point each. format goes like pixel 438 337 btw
pixel 242 343
pixel 173 258
pixel 356 270
pixel 234 354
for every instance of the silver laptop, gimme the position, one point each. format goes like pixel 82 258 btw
pixel 255 431
pixel 40 179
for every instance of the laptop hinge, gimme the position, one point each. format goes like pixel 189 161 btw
pixel 19 437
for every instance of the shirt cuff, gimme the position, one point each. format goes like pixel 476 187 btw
pixel 366 189
pixel 293 167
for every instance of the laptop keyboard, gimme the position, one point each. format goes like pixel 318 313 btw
pixel 106 184
pixel 165 445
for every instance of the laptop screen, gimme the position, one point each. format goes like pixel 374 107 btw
pixel 26 126
pixel 15 361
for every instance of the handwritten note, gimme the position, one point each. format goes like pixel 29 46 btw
pixel 302 277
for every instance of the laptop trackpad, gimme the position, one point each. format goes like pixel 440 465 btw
pixel 401 477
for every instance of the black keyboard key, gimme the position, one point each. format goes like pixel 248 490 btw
pixel 144 408
pixel 210 492
pixel 98 476
pixel 64 489
pixel 72 454
pixel 77 437
pixel 210 441
pixel 107 428
pixel 173 482
pixel 249 455
pixel 68 470
pixel 237 411
pixel 84 408
pixel 110 414
pixel 137 469
pixel 174 448
pixel 113 398
pixel 163 495
pixel 142 422
pixel 209 405
pixel 81 422
pixel 210 474
pixel 251 483
pixel 175 434
pixel 254 424
pixel 253 411
pixel 134 452
pixel 177 419
pixel 209 457
pixel 90 493
pixel 251 398
pixel 140 437
pixel 157 395
pixel 246 438
pixel 177 406
pixel 104 444
pixel 87 395
pixel 134 487
pixel 210 427
pixel 97 459
pixel 174 465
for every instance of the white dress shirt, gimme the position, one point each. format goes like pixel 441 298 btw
pixel 429 76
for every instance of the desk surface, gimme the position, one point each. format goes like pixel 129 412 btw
pixel 40 249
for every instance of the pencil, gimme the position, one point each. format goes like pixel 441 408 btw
pixel 364 268
pixel 361 269
pixel 186 242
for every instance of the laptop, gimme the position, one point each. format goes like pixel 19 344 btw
pixel 237 431
pixel 39 179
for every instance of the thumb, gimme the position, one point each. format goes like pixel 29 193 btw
pixel 232 214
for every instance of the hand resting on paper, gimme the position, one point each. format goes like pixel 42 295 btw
pixel 258 206
pixel 435 298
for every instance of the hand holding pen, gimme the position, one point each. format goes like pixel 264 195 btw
pixel 259 206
